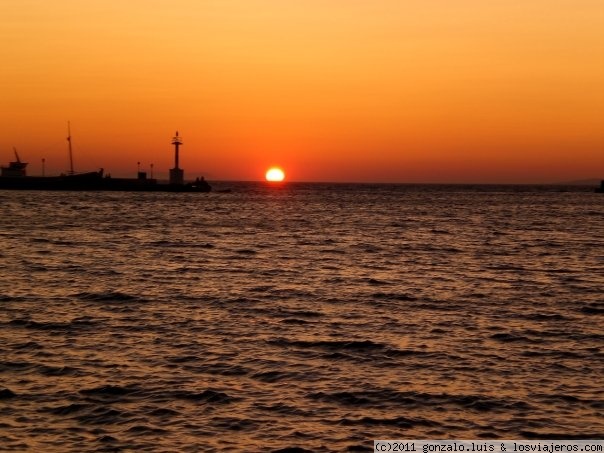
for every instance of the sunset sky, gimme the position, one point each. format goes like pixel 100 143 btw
pixel 330 90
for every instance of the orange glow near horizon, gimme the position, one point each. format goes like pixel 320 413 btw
pixel 381 90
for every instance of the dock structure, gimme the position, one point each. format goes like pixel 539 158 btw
pixel 177 175
pixel 14 177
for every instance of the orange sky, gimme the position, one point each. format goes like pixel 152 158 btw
pixel 331 90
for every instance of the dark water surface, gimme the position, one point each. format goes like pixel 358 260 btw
pixel 311 316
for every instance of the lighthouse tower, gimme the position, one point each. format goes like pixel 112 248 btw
pixel 176 174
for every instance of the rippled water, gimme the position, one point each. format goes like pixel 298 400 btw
pixel 311 316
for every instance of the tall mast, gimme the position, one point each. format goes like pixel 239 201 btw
pixel 71 172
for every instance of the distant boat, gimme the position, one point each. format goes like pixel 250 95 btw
pixel 14 177
pixel 601 188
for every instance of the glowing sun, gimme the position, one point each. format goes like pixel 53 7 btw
pixel 275 174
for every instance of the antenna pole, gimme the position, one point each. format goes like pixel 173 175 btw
pixel 71 172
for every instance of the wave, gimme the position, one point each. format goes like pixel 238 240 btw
pixel 78 323
pixel 70 409
pixel 593 309
pixel 106 394
pixel 370 350
pixel 300 313
pixel 163 412
pixel 384 398
pixel 48 370
pixel 506 337
pixel 104 415
pixel 275 376
pixel 179 244
pixel 334 345
pixel 144 429
pixel 400 422
pixel 562 399
pixel 560 435
pixel 208 396
pixel 109 296
pixel 7 298
pixel 295 321
pixel 402 297
pixel 7 394
pixel 246 252
pixel 220 369
pixel 544 317
pixel 293 450
pixel 111 392
pixel 283 409
pixel 234 424
pixel 29 346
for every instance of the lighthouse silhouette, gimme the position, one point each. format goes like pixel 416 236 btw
pixel 177 175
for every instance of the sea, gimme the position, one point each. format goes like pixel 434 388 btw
pixel 299 317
